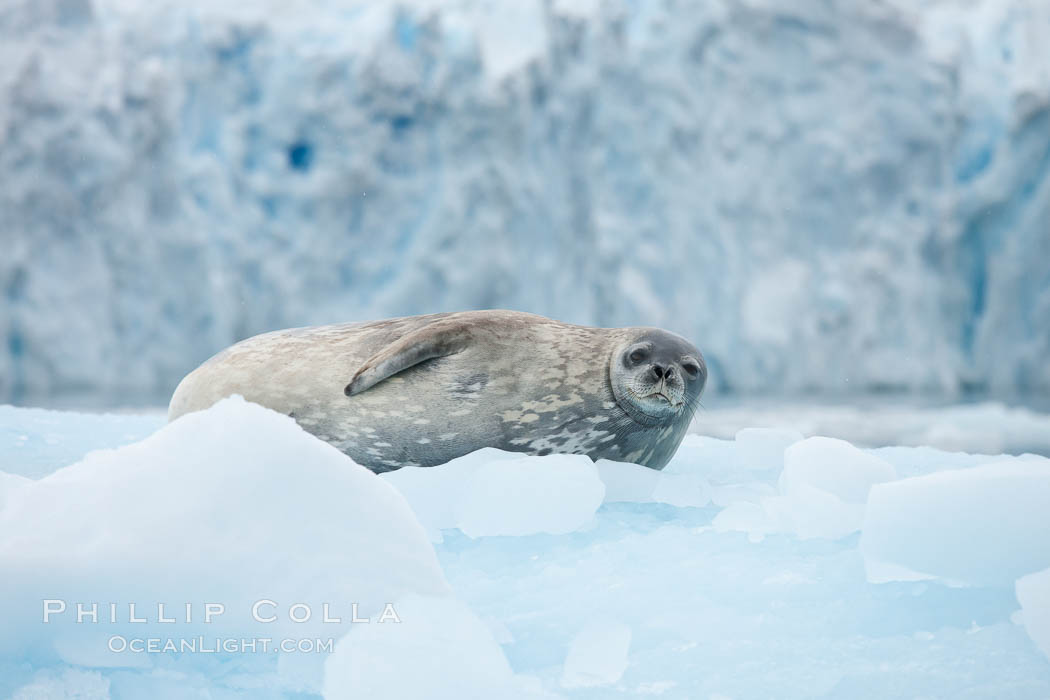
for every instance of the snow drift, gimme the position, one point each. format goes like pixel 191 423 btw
pixel 985 525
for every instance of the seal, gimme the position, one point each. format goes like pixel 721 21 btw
pixel 421 390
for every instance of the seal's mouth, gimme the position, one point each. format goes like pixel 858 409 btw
pixel 675 403
pixel 660 393
pixel 649 400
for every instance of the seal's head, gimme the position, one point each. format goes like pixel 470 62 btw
pixel 657 377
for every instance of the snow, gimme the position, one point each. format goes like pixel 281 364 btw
pixel 807 512
pixel 682 490
pixel 434 493
pixel 626 482
pixel 869 182
pixel 821 491
pixel 629 483
pixel 597 655
pixel 491 492
pixel 554 494
pixel 440 650
pixel 231 506
pixel 10 484
pixel 736 572
pixel 834 466
pixel 985 525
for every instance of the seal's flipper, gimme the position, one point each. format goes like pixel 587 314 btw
pixel 437 339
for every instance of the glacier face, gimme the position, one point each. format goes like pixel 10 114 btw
pixel 824 196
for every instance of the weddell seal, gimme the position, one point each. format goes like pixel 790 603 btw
pixel 421 390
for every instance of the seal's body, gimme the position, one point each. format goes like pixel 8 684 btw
pixel 421 390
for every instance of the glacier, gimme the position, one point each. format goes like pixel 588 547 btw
pixel 831 197
pixel 625 582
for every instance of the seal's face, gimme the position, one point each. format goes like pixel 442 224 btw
pixel 657 377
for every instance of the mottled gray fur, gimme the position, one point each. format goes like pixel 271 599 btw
pixel 422 390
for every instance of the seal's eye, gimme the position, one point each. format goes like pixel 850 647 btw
pixel 638 355
pixel 691 368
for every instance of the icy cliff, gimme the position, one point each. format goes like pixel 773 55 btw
pixel 831 196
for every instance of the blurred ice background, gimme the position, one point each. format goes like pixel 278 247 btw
pixel 829 197
pixel 845 204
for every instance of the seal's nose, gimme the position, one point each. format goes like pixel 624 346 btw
pixel 660 371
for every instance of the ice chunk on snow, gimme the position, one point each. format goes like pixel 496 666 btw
pixel 440 649
pixel 682 490
pixel 745 516
pixel 1033 593
pixel 807 512
pixel 824 487
pixel 711 457
pixel 810 512
pixel 985 525
pixel 229 505
pixel 762 449
pixel 598 655
pixel 435 492
pixel 821 493
pixel 627 482
pixel 638 484
pixel 683 483
pixel 834 466
pixel 492 492
pixel 554 494
pixel 753 452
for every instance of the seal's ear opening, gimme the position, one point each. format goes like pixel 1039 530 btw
pixel 438 339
